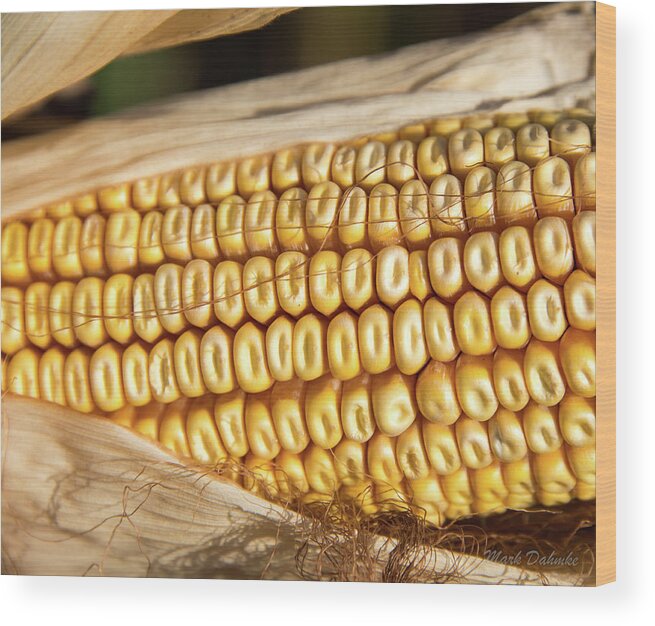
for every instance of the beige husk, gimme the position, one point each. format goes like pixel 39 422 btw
pixel 84 496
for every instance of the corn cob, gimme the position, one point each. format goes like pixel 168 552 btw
pixel 407 320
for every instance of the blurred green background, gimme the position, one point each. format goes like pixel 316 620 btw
pixel 303 38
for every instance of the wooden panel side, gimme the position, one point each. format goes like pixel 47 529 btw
pixel 606 293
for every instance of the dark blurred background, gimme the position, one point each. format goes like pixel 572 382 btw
pixel 300 39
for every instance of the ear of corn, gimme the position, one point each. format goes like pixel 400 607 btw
pixel 405 321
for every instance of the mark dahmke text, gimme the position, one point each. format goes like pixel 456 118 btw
pixel 531 558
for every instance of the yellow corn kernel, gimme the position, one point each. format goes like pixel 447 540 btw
pixel 394 401
pixel 13 320
pixel 445 262
pixel 187 357
pixel 145 193
pixel 216 359
pixel 286 169
pixel 441 447
pixel 473 324
pixel 23 373
pixel 342 346
pixel 436 393
pixel 168 298
pixel 51 376
pixel 221 181
pixel 480 198
pixel 580 300
pixel 87 312
pixel 543 372
pixel 37 319
pixel 571 139
pixel 358 269
pixel 401 162
pixel 322 411
pixel 428 500
pixel 343 166
pixel 253 175
pixel 353 219
pixel 553 189
pixel 66 248
pixel 410 350
pixel 204 241
pixel 514 203
pixel 122 241
pixel 319 468
pixel 383 220
pixel 540 425
pixel 532 144
pixel 161 372
pixel 582 461
pixel 382 461
pixel 584 236
pixel 440 330
pixel 135 373
pixel 357 417
pixel 509 381
pixel 260 431
pixel 482 262
pixel 77 382
pixel 60 314
pixel 552 473
pixel 584 181
pixel 577 352
pixel 546 311
pixel 309 347
pixel 229 306
pixel 374 333
pixel 288 414
pixel 146 318
pixel 474 383
pixel 509 316
pixel 114 198
pixel 325 282
pixel 259 224
pixel 92 245
pixel 151 250
pixel 39 251
pixel 290 221
pixel 106 379
pixel 517 259
pixel 291 283
pixel 506 437
pixel 465 151
pixel 392 275
pixel 350 462
pixel 473 443
pixel 419 275
pixel 230 228
pixel 259 292
pixel 291 475
pixel 172 431
pixel 432 157
pixel 316 163
pixel 577 420
pixel 117 307
pixel 446 206
pixel 499 146
pixel 197 294
pixel 414 214
pixel 370 165
pixel 192 187
pixel 322 212
pixel 410 451
pixel 205 445
pixel 279 348
pixel 553 249
pixel 230 415
pixel 250 366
